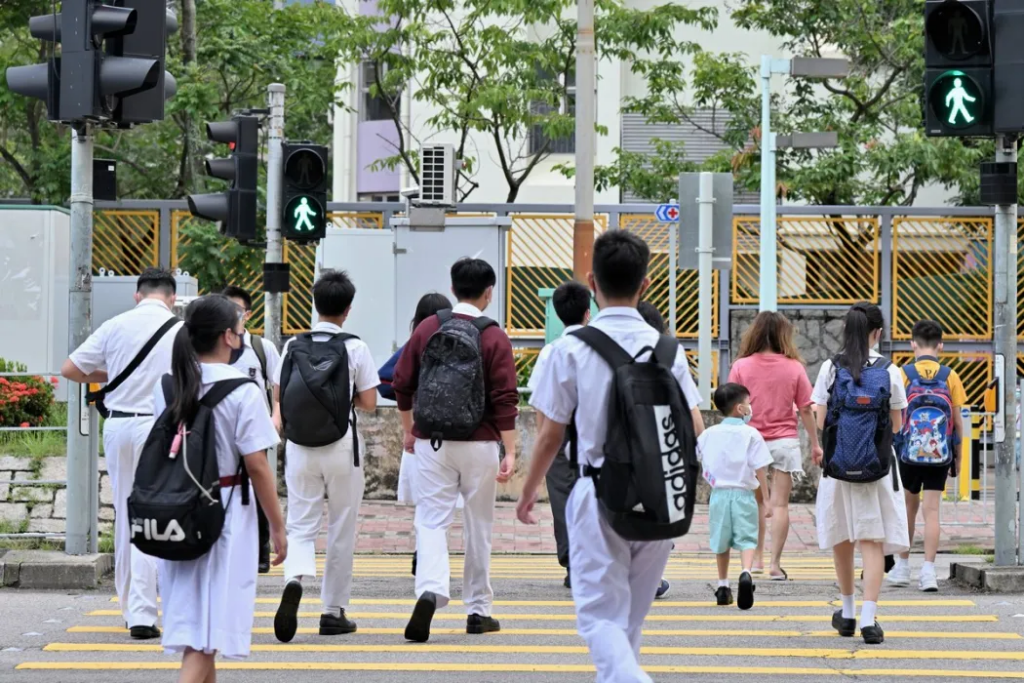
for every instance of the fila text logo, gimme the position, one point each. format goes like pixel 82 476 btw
pixel 150 529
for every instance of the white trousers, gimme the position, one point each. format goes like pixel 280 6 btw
pixel 613 586
pixel 134 571
pixel 469 468
pixel 309 474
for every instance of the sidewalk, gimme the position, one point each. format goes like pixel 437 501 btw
pixel 385 527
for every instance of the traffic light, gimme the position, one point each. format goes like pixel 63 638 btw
pixel 1008 44
pixel 147 41
pixel 304 194
pixel 41 81
pixel 958 82
pixel 235 208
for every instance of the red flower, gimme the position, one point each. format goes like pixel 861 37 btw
pixel 54 380
pixel 24 424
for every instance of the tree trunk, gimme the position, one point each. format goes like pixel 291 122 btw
pixel 191 169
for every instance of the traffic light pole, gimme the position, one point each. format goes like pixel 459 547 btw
pixel 1006 350
pixel 275 175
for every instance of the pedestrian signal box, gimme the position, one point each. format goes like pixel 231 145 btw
pixel 304 193
pixel 958 99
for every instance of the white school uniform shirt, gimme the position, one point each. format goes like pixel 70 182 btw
pixel 113 346
pixel 731 454
pixel 362 373
pixel 576 378
pixel 827 376
pixel 544 355
pixel 249 363
pixel 242 422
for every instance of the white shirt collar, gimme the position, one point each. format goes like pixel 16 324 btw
pixel 326 327
pixel 571 328
pixel 152 302
pixel 627 311
pixel 463 308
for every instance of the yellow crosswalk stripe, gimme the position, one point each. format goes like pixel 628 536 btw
pixel 403 602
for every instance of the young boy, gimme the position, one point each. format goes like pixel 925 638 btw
pixel 735 462
pixel 613 580
pixel 315 463
pixel 926 433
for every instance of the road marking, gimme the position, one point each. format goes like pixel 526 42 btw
pixel 657 604
pixel 470 667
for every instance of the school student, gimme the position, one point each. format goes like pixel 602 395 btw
pixel 571 301
pixel 770 365
pixel 932 430
pixel 209 602
pixel 458 399
pixel 428 305
pixel 323 377
pixel 859 398
pixel 257 359
pixel 130 353
pixel 735 462
pixel 613 580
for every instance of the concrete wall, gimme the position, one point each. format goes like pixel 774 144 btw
pixel 819 334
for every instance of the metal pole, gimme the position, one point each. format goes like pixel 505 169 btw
pixel 1020 479
pixel 673 262
pixel 275 248
pixel 1005 343
pixel 706 199
pixel 79 525
pixel 586 140
pixel 769 277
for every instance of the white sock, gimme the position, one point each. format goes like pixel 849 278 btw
pixel 332 611
pixel 723 583
pixel 867 613
pixel 928 566
pixel 849 607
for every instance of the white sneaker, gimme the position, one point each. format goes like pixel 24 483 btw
pixel 927 581
pixel 899 575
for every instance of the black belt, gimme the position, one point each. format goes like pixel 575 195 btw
pixel 122 414
pixel 592 472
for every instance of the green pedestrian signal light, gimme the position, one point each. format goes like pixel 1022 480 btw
pixel 305 217
pixel 304 192
pixel 956 99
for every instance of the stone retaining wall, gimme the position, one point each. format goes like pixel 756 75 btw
pixel 43 508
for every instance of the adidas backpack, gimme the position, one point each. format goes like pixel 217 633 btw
pixel 316 392
pixel 857 438
pixel 648 483
pixel 175 509
pixel 451 395
pixel 927 435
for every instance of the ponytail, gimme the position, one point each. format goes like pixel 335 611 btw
pixel 861 320
pixel 187 377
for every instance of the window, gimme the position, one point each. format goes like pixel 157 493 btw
pixel 563 145
pixel 374 108
pixel 373 197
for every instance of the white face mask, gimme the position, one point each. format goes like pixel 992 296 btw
pixel 749 416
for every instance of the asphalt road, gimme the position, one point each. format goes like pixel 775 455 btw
pixel 47 637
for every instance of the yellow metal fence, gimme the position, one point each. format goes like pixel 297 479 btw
pixel 125 242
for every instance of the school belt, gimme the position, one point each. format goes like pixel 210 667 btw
pixel 122 414
pixel 588 471
pixel 228 482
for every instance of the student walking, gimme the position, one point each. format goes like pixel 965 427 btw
pixel 130 353
pixel 209 602
pixel 324 376
pixel 735 461
pixel 770 365
pixel 258 359
pixel 457 397
pixel 614 579
pixel 928 445
pixel 859 398
pixel 571 301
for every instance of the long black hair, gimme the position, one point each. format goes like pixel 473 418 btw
pixel 206 319
pixel 861 320
pixel 429 305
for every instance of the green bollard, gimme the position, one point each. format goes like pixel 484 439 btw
pixel 553 327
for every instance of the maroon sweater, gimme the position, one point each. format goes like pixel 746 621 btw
pixel 500 383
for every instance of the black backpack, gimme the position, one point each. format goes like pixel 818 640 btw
pixel 316 396
pixel 451 394
pixel 175 508
pixel 647 486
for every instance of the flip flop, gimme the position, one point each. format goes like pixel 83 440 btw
pixel 784 577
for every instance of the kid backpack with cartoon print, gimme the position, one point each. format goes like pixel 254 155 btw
pixel 857 438
pixel 927 435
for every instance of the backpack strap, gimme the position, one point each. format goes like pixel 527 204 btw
pixel 603 345
pixel 220 391
pixel 483 322
pixel 167 385
pixel 911 372
pixel 444 315
pixel 943 374
pixel 112 385
pixel 261 354
pixel 665 351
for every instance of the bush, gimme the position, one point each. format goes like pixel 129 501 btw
pixel 25 401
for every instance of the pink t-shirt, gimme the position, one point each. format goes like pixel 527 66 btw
pixel 778 386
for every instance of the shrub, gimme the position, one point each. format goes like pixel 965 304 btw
pixel 25 401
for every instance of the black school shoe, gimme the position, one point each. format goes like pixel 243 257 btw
pixel 414 563
pixel 144 632
pixel 746 597
pixel 873 635
pixel 286 621
pixel 331 625
pixel 724 596
pixel 476 624
pixel 264 563
pixel 846 627
pixel 418 628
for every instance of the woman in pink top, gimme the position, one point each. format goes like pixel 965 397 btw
pixel 770 366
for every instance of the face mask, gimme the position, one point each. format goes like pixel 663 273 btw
pixel 748 416
pixel 236 354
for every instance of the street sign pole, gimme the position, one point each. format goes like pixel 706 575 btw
pixel 705 251
pixel 275 175
pixel 669 213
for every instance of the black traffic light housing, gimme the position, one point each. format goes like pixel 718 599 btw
pixel 958 84
pixel 304 191
pixel 148 41
pixel 235 208
pixel 1008 45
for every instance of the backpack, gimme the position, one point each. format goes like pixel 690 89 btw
pixel 175 509
pixel 97 397
pixel 316 393
pixel 927 435
pixel 647 486
pixel 261 356
pixel 451 394
pixel 857 438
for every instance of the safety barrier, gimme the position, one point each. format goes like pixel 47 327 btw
pixel 125 242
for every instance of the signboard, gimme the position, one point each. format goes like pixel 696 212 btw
pixel 999 422
pixel 689 219
pixel 667 213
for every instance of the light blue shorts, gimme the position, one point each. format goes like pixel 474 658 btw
pixel 733 520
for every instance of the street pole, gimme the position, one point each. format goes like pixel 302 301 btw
pixel 80 530
pixel 586 85
pixel 769 293
pixel 706 199
pixel 272 301
pixel 1006 348
pixel 673 275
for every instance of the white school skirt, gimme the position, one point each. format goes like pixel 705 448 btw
pixel 209 603
pixel 862 512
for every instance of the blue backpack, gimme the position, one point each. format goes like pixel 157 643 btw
pixel 927 436
pixel 858 435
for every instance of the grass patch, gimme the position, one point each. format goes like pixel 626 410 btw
pixel 37 445
pixel 970 549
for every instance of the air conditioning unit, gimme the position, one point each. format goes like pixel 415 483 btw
pixel 437 176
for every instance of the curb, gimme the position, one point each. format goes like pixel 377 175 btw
pixel 52 569
pixel 984 576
